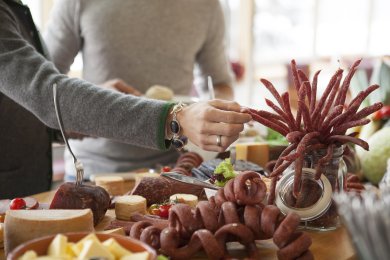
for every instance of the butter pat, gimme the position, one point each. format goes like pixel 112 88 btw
pixel 257 153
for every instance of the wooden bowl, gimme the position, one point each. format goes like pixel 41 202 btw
pixel 41 244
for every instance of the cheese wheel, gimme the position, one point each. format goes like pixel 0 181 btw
pixel 23 225
pixel 253 152
pixel 114 185
pixel 189 199
pixel 126 206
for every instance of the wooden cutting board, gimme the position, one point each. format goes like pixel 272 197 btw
pixel 326 245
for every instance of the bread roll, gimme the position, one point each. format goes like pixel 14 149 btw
pixel 159 92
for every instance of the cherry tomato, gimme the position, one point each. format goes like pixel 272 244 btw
pixel 17 203
pixel 153 209
pixel 164 210
pixel 166 169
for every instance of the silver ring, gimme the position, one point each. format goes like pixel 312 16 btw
pixel 219 141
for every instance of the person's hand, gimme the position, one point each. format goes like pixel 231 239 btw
pixel 121 86
pixel 213 125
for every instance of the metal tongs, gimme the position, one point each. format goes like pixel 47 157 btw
pixel 189 180
pixel 77 164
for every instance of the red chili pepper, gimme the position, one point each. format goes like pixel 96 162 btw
pixel 17 203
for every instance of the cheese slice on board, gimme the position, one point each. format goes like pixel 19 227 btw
pixel 253 152
pixel 23 225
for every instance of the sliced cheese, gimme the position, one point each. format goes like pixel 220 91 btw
pixel 24 225
pixel 114 185
pixel 137 256
pixel 189 199
pixel 78 247
pixel 126 206
pixel 117 231
pixel 115 248
pixel 253 152
pixel 58 246
pixel 93 249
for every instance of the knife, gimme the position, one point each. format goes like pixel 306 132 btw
pixel 189 180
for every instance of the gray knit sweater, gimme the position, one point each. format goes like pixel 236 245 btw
pixel 27 78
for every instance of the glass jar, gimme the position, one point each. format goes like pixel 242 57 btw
pixel 314 204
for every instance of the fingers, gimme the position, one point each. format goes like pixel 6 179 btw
pixel 225 105
pixel 209 142
pixel 229 117
pixel 211 128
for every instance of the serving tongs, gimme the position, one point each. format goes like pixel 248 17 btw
pixel 188 180
pixel 77 164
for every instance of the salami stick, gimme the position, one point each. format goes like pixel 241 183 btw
pixel 314 92
pixel 337 110
pixel 285 152
pixel 301 97
pixel 347 81
pixel 298 175
pixel 275 125
pixel 357 101
pixel 267 115
pixel 345 139
pixel 294 72
pixel 277 109
pixel 367 111
pixel 272 189
pixel 287 109
pixel 303 78
pixel 326 94
pixel 342 128
pixel 353 106
pixel 301 146
pixel 277 171
pixel 306 116
pixel 324 160
pixel 273 91
pixel 294 137
pixel 331 98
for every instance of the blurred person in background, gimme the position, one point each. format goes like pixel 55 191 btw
pixel 27 115
pixel 140 44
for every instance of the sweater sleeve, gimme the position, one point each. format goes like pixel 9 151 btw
pixel 27 78
pixel 63 36
pixel 212 58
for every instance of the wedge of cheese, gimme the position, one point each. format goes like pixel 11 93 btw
pixel 115 248
pixel 24 225
pixel 137 256
pixel 93 249
pixel 114 185
pixel 253 152
pixel 126 206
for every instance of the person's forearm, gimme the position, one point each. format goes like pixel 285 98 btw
pixel 224 91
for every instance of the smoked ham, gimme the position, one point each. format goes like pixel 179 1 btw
pixel 70 196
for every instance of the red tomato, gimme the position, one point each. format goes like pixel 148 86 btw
pixel 166 169
pixel 383 113
pixel 164 210
pixel 17 203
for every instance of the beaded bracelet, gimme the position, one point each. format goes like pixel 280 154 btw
pixel 178 141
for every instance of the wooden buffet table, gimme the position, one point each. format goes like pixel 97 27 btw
pixel 326 245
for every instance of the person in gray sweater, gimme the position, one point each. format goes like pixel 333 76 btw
pixel 26 100
pixel 143 43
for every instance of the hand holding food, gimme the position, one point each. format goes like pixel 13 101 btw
pixel 213 125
